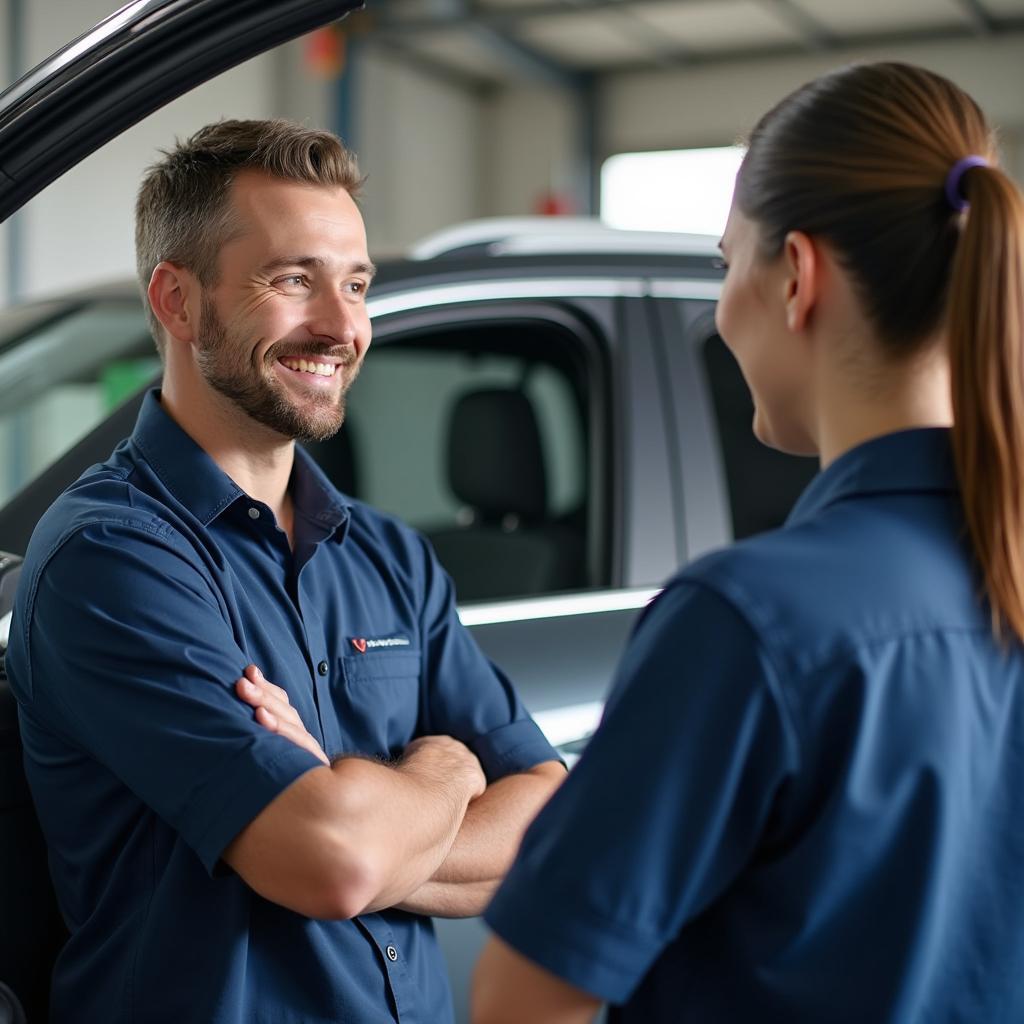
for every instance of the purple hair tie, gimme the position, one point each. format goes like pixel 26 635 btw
pixel 954 196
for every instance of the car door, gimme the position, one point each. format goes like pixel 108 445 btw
pixel 582 357
pixel 582 353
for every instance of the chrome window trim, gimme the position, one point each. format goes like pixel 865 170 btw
pixel 542 288
pixel 556 606
pixel 523 288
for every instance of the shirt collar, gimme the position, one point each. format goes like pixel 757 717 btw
pixel 907 462
pixel 206 490
pixel 316 498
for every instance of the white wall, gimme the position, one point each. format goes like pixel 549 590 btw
pixel 298 94
pixel 530 140
pixel 419 142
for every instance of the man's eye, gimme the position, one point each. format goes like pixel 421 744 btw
pixel 292 281
pixel 357 287
pixel 719 263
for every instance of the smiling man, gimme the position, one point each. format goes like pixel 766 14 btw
pixel 224 848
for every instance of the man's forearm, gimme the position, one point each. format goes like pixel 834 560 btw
pixel 359 835
pixel 485 845
pixel 408 826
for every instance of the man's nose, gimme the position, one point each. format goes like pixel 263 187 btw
pixel 334 315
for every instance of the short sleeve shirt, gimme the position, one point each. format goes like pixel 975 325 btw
pixel 804 802
pixel 147 588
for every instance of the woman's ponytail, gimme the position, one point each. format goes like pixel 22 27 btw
pixel 985 328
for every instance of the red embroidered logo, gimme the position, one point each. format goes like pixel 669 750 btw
pixel 359 643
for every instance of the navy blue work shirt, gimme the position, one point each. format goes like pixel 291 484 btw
pixel 147 588
pixel 805 802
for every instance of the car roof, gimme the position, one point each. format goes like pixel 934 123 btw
pixel 530 236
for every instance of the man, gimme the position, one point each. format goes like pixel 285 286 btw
pixel 212 863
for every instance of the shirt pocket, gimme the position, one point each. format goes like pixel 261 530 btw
pixel 380 701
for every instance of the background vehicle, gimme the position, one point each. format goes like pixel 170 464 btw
pixel 547 400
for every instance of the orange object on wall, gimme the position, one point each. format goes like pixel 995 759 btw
pixel 325 52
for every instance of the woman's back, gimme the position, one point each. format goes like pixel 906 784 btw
pixel 884 883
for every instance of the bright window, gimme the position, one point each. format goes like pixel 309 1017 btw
pixel 675 190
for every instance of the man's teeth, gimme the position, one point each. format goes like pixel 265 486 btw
pixel 322 369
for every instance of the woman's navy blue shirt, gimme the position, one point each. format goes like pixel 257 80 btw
pixel 805 802
pixel 147 588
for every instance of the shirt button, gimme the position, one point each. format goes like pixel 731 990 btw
pixel 392 953
pixel 323 668
pixel 254 513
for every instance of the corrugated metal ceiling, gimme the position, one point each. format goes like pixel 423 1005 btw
pixel 489 42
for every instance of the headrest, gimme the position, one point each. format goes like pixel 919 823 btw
pixel 495 460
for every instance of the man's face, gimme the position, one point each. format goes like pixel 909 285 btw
pixel 284 331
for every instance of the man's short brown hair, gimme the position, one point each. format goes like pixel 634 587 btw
pixel 182 213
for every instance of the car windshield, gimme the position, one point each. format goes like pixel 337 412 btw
pixel 63 368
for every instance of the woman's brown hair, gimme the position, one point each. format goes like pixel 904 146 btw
pixel 861 158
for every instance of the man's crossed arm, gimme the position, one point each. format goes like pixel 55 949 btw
pixel 425 835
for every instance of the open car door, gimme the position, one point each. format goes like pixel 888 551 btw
pixel 136 61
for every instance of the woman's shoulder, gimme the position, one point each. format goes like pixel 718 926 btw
pixel 836 582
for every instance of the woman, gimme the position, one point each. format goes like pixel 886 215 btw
pixel 806 800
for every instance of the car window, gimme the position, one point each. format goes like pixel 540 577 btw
pixel 763 484
pixel 438 432
pixel 61 380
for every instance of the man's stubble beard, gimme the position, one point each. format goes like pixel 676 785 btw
pixel 225 368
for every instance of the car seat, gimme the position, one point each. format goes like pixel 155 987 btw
pixel 509 545
pixel 32 930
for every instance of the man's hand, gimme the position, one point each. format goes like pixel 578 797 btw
pixel 445 760
pixel 486 844
pixel 274 711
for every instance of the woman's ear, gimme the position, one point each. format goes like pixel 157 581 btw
pixel 173 296
pixel 802 281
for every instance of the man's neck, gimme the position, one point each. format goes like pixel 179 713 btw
pixel 256 458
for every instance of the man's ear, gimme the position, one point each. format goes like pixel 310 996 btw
pixel 802 280
pixel 174 298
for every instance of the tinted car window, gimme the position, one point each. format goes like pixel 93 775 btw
pixel 63 378
pixel 398 452
pixel 763 484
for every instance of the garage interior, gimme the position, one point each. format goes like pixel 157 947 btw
pixel 499 107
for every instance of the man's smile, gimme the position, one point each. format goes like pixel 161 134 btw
pixel 317 367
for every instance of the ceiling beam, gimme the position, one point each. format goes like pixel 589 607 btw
pixel 432 67
pixel 795 17
pixel 1006 28
pixel 980 18
pixel 507 17
pixel 468 16
pixel 524 60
